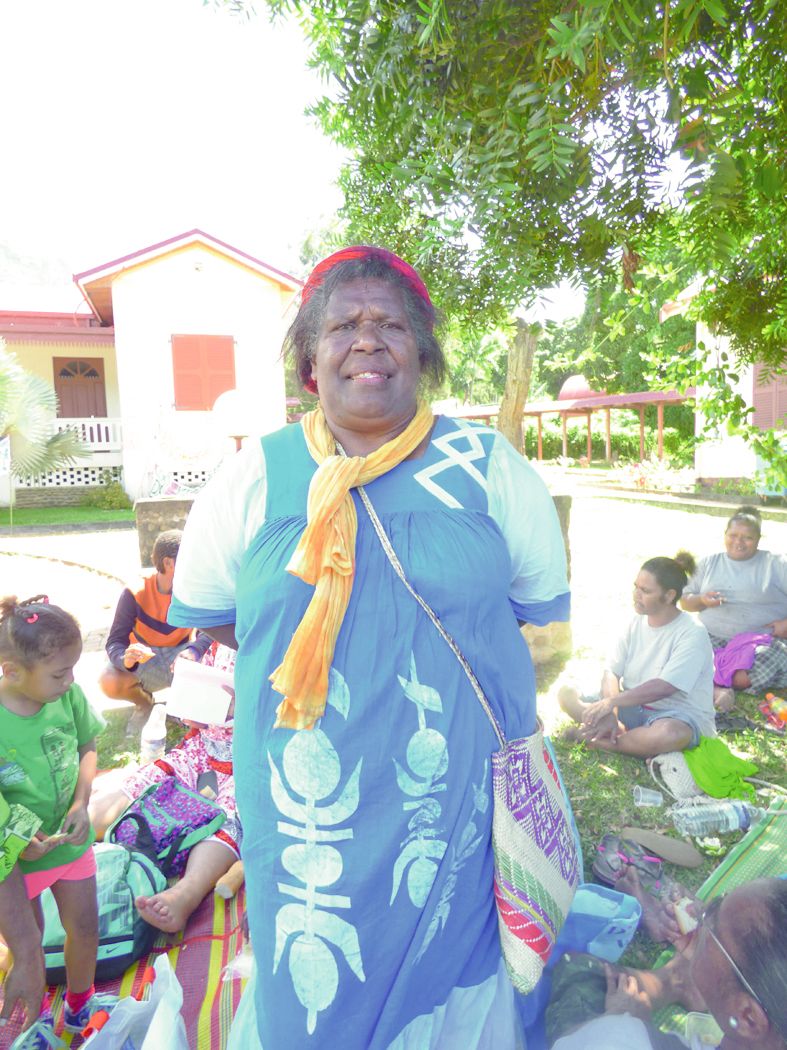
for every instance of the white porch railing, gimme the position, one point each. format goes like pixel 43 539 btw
pixel 97 434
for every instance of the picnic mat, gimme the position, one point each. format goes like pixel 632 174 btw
pixel 211 939
pixel 760 853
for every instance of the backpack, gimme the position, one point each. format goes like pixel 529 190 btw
pixel 123 935
pixel 164 822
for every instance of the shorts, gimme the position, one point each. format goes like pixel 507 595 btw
pixel 634 717
pixel 76 870
pixel 156 673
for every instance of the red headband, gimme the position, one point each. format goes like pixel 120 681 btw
pixel 364 251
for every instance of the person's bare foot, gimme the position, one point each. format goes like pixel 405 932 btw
pixel 569 702
pixel 723 699
pixel 164 910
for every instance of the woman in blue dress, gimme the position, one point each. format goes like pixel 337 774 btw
pixel 362 756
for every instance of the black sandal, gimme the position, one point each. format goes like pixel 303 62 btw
pixel 614 854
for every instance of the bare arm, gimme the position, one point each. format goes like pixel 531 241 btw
pixel 698 602
pixel 779 628
pixel 19 930
pixel 610 685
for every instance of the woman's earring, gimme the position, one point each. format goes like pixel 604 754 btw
pixel 733 1023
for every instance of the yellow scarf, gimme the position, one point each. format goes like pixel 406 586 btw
pixel 325 558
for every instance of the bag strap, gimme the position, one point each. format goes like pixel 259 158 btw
pixel 382 535
pixel 143 840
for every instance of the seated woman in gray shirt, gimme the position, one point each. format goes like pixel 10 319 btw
pixel 657 688
pixel 741 597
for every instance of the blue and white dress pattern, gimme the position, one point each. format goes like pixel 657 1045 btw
pixel 367 839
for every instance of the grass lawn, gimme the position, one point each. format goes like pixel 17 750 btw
pixel 116 749
pixel 62 515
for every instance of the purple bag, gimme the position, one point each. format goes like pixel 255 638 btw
pixel 165 822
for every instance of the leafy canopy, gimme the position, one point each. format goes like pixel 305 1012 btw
pixel 505 144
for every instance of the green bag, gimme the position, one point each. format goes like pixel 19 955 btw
pixel 123 935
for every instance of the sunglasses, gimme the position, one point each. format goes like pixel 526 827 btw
pixel 709 915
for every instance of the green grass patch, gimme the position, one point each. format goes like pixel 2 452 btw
pixel 62 515
pixel 115 749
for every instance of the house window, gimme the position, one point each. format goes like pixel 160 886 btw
pixel 203 367
pixel 769 400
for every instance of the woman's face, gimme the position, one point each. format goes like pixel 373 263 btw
pixel 649 595
pixel 366 363
pixel 740 541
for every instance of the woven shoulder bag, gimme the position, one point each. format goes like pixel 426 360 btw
pixel 536 860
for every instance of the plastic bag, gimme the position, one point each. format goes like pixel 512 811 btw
pixel 149 1023
pixel 243 1033
pixel 239 968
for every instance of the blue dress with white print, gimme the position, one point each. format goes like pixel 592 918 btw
pixel 367 839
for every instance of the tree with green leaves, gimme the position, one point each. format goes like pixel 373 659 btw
pixel 508 144
pixel 502 145
pixel 27 407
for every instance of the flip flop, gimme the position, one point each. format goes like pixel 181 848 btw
pixel 676 851
pixel 615 853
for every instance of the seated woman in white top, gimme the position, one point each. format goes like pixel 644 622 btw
pixel 741 597
pixel 657 688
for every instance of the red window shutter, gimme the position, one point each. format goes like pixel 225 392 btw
pixel 763 400
pixel 781 403
pixel 203 367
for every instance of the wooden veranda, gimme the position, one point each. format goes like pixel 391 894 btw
pixel 586 406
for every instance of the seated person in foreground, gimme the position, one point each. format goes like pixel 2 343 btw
pixel 734 966
pixel 657 689
pixel 142 647
pixel 205 748
pixel 740 594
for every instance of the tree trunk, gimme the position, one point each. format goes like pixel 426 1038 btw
pixel 520 366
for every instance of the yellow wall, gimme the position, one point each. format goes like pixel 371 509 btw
pixel 37 357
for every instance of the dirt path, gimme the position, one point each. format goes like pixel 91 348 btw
pixel 609 541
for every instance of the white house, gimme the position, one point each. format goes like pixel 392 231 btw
pixel 165 331
pixel 724 455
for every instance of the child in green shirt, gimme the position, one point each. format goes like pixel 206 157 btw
pixel 47 764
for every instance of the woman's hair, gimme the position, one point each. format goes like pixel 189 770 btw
pixel 300 342
pixel 762 954
pixel 748 516
pixel 33 629
pixel 671 574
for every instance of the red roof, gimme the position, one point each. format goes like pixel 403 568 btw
pixel 96 283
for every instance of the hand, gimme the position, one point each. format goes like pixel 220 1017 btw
pixel 76 824
pixel 778 627
pixel 137 653
pixel 712 599
pixel 188 654
pixel 624 995
pixel 598 712
pixel 25 985
pixel 39 846
pixel 607 728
